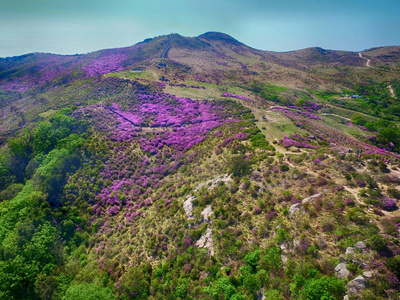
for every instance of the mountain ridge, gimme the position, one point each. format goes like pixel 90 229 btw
pixel 210 35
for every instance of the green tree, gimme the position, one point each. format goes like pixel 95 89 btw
pixel 324 288
pixel 88 291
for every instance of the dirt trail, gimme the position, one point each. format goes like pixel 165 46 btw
pixel 368 63
pixel 324 114
pixel 164 54
pixel 390 88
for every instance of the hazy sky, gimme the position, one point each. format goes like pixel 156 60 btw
pixel 80 26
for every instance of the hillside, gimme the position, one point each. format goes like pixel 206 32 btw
pixel 200 168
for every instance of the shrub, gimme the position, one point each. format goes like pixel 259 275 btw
pixel 88 291
pixel 284 168
pixel 324 288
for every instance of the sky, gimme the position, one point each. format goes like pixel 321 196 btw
pixel 82 26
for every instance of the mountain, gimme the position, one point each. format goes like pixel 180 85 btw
pixel 200 168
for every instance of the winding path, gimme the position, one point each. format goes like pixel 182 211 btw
pixel 368 63
pixel 326 114
pixel 164 54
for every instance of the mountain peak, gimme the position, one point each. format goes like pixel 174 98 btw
pixel 219 36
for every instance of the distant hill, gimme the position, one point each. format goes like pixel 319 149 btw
pixel 203 53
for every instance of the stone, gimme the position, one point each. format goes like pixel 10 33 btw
pixel 260 294
pixel 349 250
pixel 206 213
pixel 295 176
pixel 356 285
pixel 295 208
pixel 360 246
pixel 368 274
pixel 311 198
pixel 284 247
pixel 188 206
pixel 346 297
pixel 341 271
pixel 206 241
pixel 284 259
pixel 214 182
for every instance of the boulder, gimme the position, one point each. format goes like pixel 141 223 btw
pixel 214 182
pixel 356 285
pixel 368 274
pixel 341 271
pixel 260 294
pixel 285 247
pixel 295 208
pixel 206 241
pixel 360 246
pixel 349 250
pixel 188 206
pixel 206 213
pixel 284 259
pixel 311 198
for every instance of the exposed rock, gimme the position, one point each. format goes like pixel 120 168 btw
pixel 188 206
pixel 341 271
pixel 260 294
pixel 284 259
pixel 346 297
pixel 356 285
pixel 311 198
pixel 295 176
pixel 368 274
pixel 349 250
pixel 206 241
pixel 360 246
pixel 214 182
pixel 285 247
pixel 206 213
pixel 295 208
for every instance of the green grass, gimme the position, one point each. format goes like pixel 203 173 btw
pixel 47 114
pixel 275 89
pixel 148 75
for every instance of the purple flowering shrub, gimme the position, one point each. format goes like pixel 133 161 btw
pixel 151 138
pixel 226 94
pixel 297 141
pixel 50 70
pixel 389 204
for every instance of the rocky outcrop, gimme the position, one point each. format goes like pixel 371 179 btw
pixel 188 206
pixel 214 182
pixel 206 213
pixel 206 241
pixel 368 274
pixel 260 294
pixel 341 271
pixel 311 198
pixel 295 208
pixel 360 246
pixel 356 285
